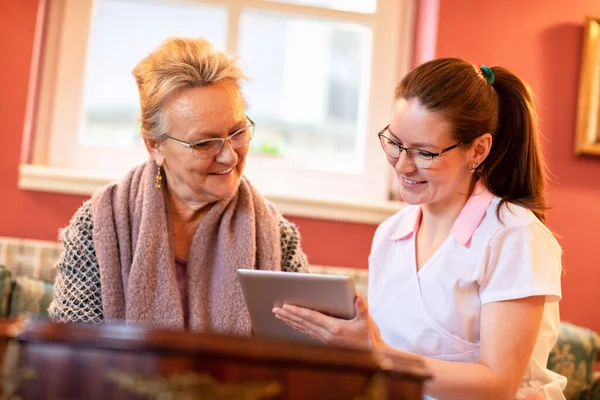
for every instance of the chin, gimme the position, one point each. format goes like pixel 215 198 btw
pixel 410 200
pixel 225 190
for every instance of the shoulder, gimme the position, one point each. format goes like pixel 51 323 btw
pixel 81 222
pixel 512 221
pixel 293 258
pixel 77 237
pixel 288 232
pixel 83 213
pixel 522 257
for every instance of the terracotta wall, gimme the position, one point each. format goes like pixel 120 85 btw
pixel 541 41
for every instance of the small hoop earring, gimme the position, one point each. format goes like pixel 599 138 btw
pixel 158 179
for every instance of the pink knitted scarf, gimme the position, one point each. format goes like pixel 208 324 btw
pixel 134 247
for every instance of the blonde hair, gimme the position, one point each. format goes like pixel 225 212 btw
pixel 177 64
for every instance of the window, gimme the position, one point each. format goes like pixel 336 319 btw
pixel 322 79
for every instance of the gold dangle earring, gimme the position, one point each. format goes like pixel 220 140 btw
pixel 158 179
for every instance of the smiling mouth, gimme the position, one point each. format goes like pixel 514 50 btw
pixel 411 181
pixel 224 172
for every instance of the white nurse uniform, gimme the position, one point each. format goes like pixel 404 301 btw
pixel 435 312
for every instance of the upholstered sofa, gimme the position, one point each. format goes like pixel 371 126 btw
pixel 23 294
pixel 26 285
pixel 575 356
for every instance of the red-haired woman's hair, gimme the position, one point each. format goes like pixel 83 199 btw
pixel 500 104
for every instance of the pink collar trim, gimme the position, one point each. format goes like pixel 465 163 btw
pixel 465 225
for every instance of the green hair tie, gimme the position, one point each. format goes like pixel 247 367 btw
pixel 488 74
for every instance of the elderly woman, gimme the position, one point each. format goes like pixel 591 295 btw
pixel 161 247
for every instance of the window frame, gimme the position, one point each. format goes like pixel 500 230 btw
pixel 57 83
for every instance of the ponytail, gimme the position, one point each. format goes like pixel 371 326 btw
pixel 515 169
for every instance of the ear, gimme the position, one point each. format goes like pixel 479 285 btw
pixel 481 148
pixel 154 149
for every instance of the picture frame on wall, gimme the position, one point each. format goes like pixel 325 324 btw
pixel 587 135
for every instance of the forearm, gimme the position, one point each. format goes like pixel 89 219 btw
pixel 458 380
pixel 463 380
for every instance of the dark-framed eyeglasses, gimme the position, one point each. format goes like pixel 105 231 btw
pixel 211 147
pixel 420 158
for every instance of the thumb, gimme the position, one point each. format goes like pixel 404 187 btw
pixel 362 312
pixel 361 307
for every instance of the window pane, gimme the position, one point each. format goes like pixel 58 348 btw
pixel 361 6
pixel 308 89
pixel 123 32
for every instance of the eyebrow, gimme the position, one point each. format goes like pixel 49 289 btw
pixel 212 135
pixel 416 145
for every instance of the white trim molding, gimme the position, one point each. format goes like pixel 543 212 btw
pixel 68 181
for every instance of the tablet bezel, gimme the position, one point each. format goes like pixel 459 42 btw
pixel 333 295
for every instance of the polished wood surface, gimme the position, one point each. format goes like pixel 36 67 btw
pixel 54 361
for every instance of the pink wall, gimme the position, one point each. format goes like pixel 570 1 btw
pixel 23 214
pixel 425 31
pixel 540 44
pixel 541 41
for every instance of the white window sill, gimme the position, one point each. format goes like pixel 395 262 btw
pixel 62 180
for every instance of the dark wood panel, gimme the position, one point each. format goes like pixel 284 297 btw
pixel 54 361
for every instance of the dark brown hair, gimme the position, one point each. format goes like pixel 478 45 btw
pixel 514 170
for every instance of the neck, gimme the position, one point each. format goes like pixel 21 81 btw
pixel 185 218
pixel 438 218
pixel 186 212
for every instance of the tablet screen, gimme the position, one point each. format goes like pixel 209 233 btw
pixel 330 294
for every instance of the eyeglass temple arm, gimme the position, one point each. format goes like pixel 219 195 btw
pixel 186 144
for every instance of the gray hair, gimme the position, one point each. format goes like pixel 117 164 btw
pixel 177 64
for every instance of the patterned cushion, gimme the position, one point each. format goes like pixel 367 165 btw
pixel 595 394
pixel 30 295
pixel 5 282
pixel 34 258
pixel 574 356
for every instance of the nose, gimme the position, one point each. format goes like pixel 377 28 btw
pixel 227 155
pixel 404 164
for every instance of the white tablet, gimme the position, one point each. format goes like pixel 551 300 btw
pixel 330 294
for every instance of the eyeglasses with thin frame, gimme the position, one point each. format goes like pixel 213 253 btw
pixel 421 158
pixel 211 147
